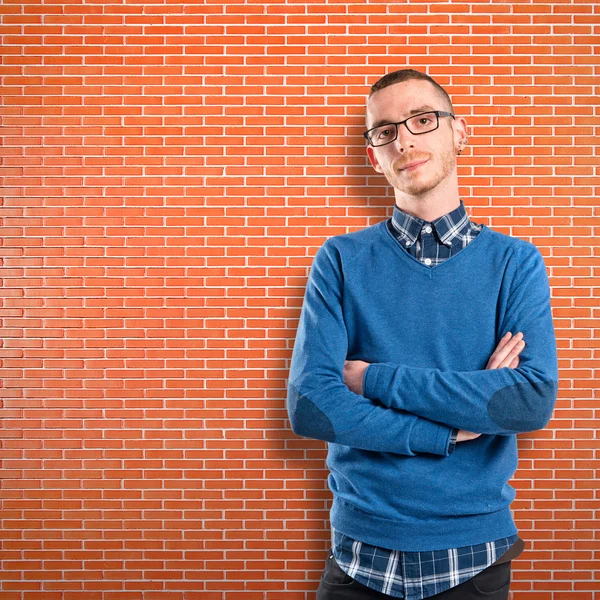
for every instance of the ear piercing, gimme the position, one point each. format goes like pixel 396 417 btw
pixel 465 142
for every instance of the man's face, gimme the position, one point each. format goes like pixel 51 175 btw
pixel 414 164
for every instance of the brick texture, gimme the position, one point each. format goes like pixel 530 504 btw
pixel 169 170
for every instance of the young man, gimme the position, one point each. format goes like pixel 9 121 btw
pixel 405 362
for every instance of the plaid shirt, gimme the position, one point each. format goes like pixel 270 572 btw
pixel 414 575
pixel 418 575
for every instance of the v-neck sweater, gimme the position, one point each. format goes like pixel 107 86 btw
pixel 428 333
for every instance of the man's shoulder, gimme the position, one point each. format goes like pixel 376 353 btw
pixel 352 243
pixel 359 236
pixel 369 243
pixel 518 246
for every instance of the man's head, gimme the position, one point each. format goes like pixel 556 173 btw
pixel 408 75
pixel 421 157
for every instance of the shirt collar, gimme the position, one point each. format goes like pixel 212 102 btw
pixel 455 224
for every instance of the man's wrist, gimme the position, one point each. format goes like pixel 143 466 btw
pixel 453 437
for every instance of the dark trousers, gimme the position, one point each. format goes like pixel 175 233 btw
pixel 492 583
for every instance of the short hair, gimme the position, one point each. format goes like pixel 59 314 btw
pixel 406 75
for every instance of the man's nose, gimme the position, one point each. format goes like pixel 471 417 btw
pixel 404 139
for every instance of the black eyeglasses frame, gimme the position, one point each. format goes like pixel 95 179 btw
pixel 437 113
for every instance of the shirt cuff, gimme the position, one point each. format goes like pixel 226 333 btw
pixel 429 437
pixel 452 443
pixel 377 379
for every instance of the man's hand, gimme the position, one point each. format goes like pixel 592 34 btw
pixel 506 354
pixel 354 371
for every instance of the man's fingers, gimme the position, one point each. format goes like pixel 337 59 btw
pixel 465 436
pixel 504 340
pixel 512 354
pixel 499 352
pixel 508 347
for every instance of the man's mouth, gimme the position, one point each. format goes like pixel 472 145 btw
pixel 413 165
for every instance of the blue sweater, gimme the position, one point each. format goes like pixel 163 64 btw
pixel 428 334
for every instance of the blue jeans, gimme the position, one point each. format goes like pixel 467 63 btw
pixel 492 583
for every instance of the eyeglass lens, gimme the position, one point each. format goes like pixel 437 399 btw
pixel 422 123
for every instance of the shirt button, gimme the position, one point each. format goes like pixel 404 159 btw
pixel 427 261
pixel 407 242
pixel 427 229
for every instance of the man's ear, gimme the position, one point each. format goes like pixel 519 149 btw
pixel 373 160
pixel 460 131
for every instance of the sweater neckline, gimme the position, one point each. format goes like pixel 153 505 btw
pixel 416 263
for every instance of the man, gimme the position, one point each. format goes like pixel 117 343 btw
pixel 410 361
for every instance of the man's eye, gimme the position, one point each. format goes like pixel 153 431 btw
pixel 424 121
pixel 383 133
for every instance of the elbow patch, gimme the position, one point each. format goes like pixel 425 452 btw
pixel 523 406
pixel 307 418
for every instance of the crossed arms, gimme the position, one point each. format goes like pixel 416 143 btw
pixel 506 354
pixel 411 410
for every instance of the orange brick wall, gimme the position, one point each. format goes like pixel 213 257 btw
pixel 169 171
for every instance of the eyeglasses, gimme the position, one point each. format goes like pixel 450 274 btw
pixel 417 125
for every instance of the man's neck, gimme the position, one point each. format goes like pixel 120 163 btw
pixel 426 211
pixel 430 206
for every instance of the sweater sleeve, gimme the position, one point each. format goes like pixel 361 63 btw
pixel 319 403
pixel 494 401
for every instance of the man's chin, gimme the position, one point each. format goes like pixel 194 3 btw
pixel 416 189
pixel 416 185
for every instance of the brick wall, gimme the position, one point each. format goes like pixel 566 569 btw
pixel 169 171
